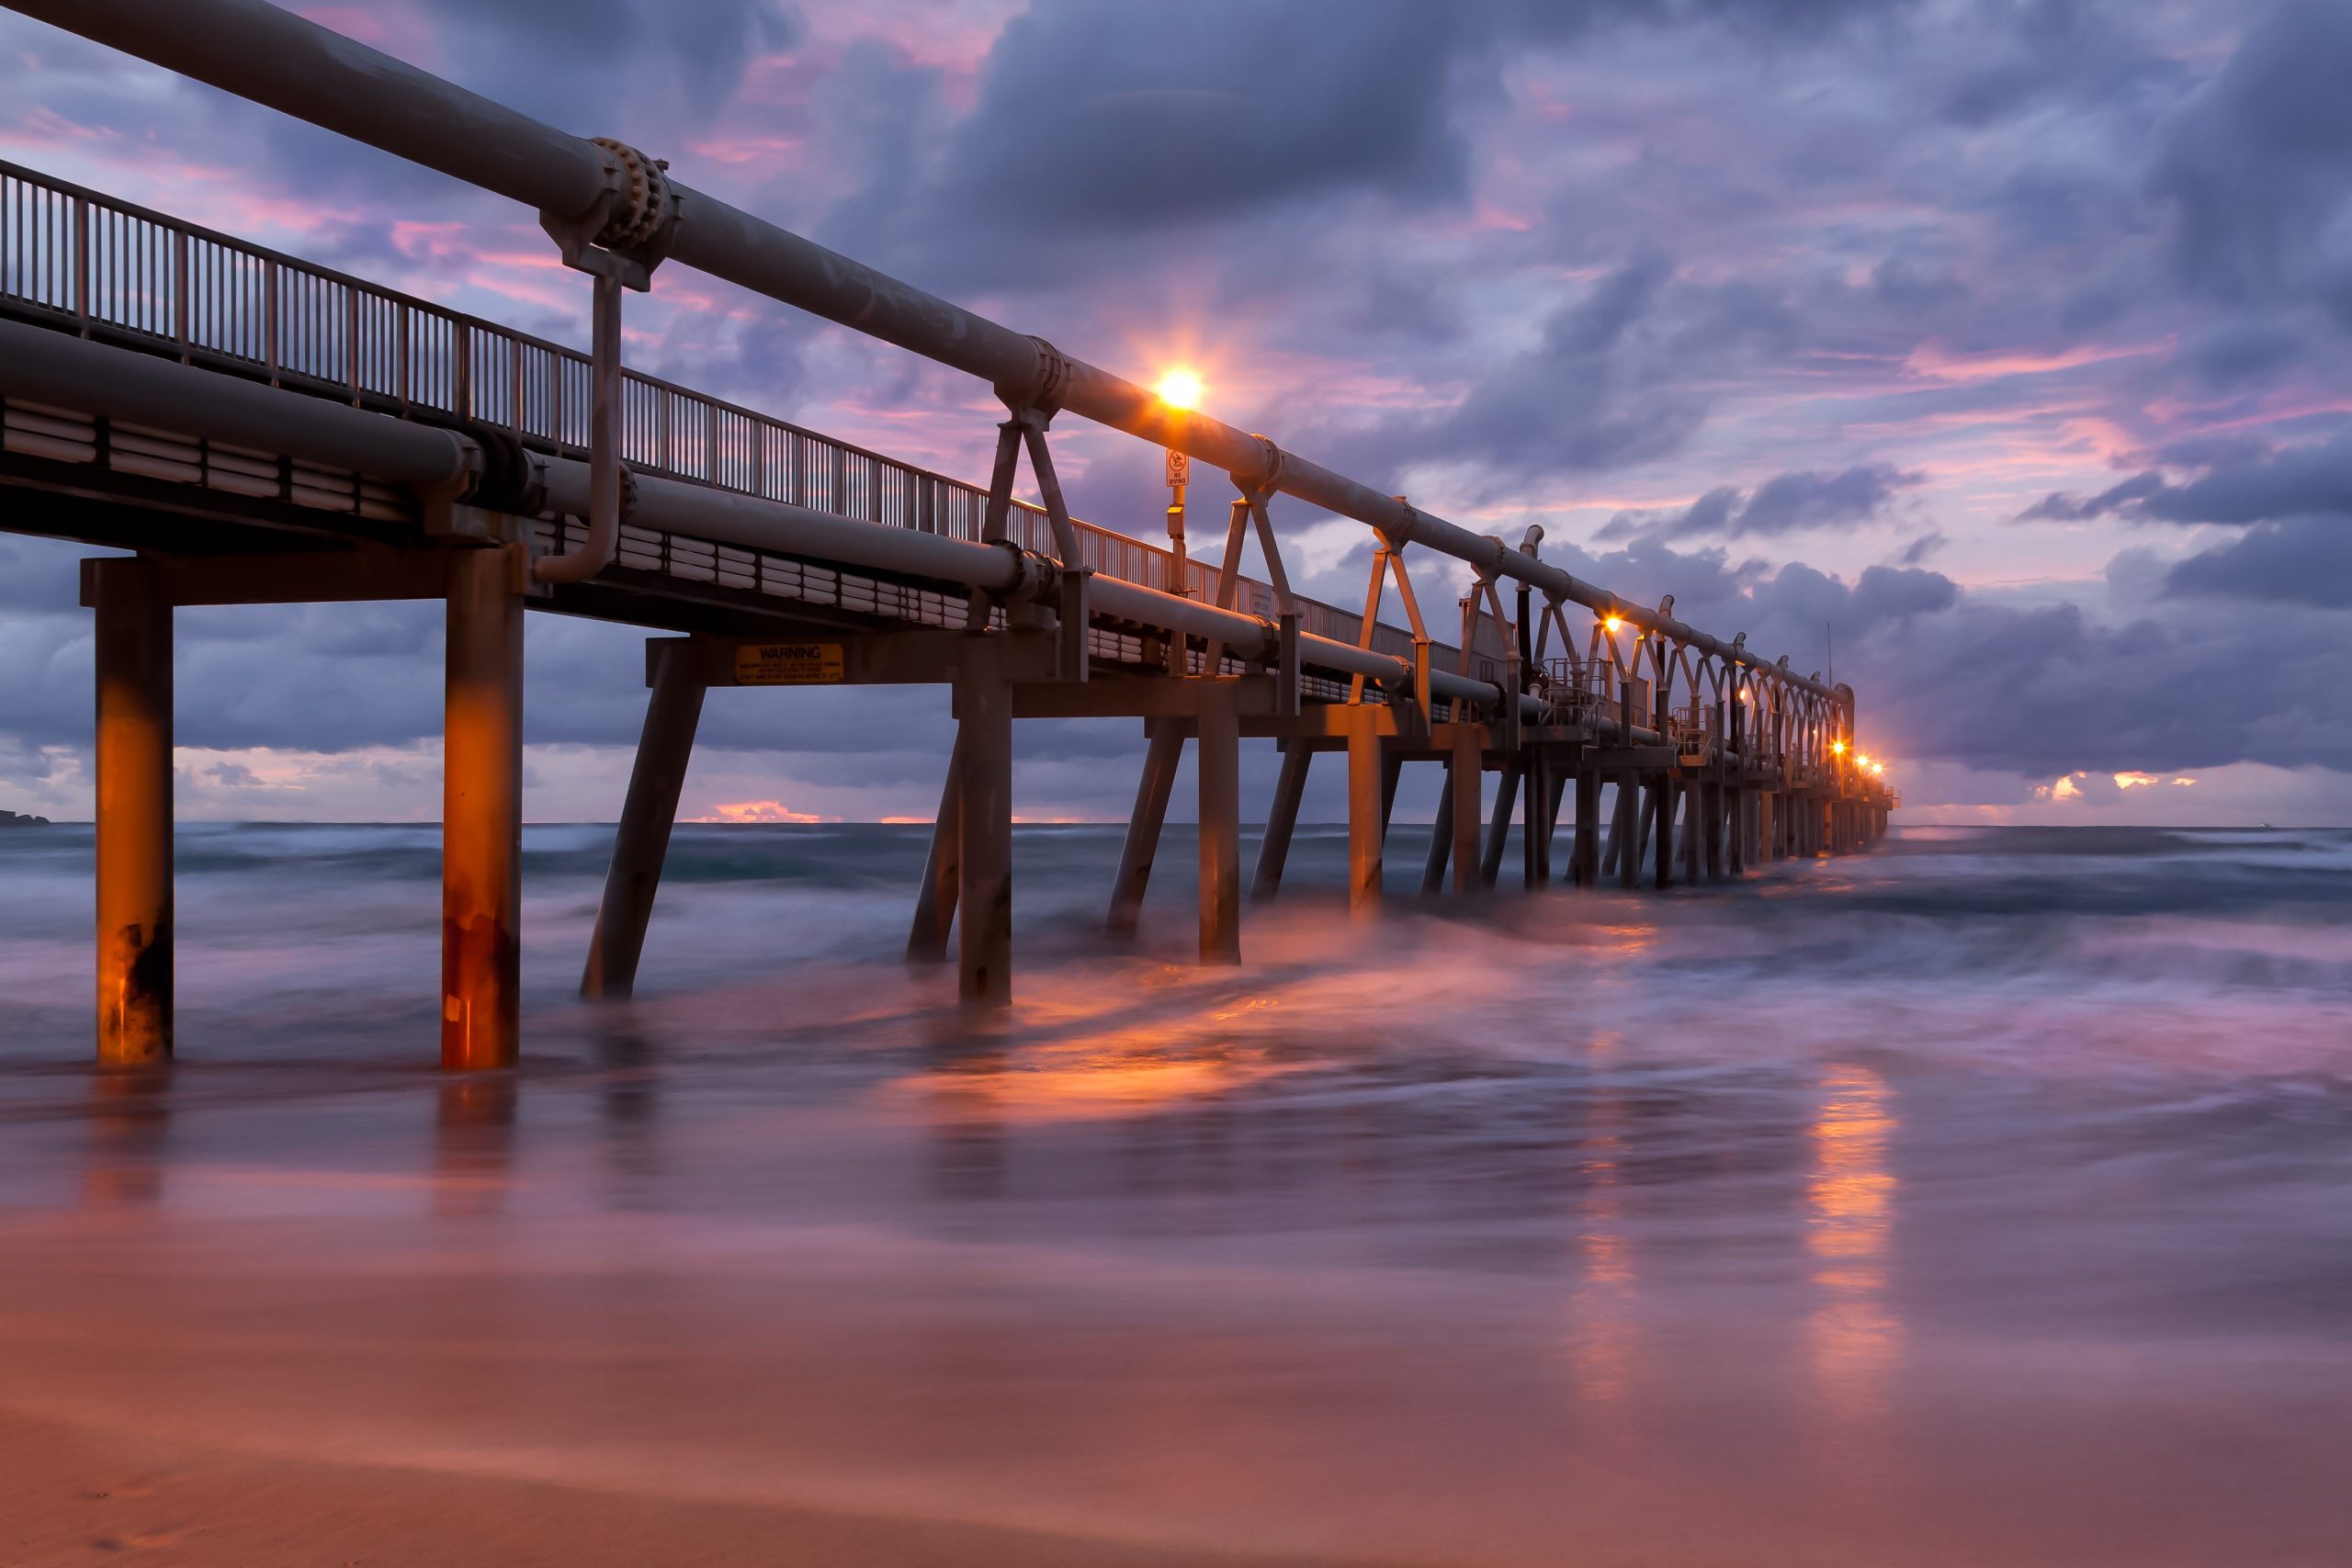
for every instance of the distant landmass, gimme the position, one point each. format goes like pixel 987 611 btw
pixel 12 819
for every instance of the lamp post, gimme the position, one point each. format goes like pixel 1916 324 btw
pixel 1179 391
pixel 1180 474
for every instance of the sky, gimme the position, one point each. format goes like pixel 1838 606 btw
pixel 1990 354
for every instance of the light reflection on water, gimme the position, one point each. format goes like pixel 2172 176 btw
pixel 1855 1337
pixel 1603 1307
pixel 1531 1238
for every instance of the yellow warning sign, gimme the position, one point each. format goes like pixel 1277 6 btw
pixel 787 663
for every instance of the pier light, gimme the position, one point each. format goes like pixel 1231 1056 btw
pixel 1878 768
pixel 1743 694
pixel 1178 389
pixel 1612 623
pixel 1837 747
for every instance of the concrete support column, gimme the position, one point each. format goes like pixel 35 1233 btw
pixel 1219 763
pixel 1555 788
pixel 1281 821
pixel 1162 756
pixel 942 870
pixel 984 750
pixel 1365 816
pixel 648 813
pixel 1692 830
pixel 1392 772
pixel 481 811
pixel 1467 772
pixel 1663 803
pixel 1712 795
pixel 1490 859
pixel 134 800
pixel 1536 827
pixel 1585 859
pixel 1441 839
pixel 1635 806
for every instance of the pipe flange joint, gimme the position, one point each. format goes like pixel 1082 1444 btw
pixel 1045 393
pixel 1268 480
pixel 643 205
pixel 1033 575
pixel 625 233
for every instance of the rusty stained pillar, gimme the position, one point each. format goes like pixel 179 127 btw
pixel 1615 836
pixel 1281 821
pixel 482 810
pixel 934 920
pixel 1584 857
pixel 1662 795
pixel 1218 764
pixel 1555 792
pixel 984 750
pixel 1366 820
pixel 672 710
pixel 134 804
pixel 1163 755
pixel 1686 840
pixel 1536 789
pixel 1634 807
pixel 1392 773
pixel 1712 847
pixel 1467 772
pixel 1646 833
pixel 1490 857
pixel 1440 838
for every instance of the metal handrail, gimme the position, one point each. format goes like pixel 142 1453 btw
pixel 115 270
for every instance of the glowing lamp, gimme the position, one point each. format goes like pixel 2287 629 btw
pixel 1178 389
pixel 1612 623
pixel 1839 746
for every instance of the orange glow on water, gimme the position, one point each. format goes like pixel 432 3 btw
pixel 1850 1205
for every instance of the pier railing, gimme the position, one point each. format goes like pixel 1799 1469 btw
pixel 116 271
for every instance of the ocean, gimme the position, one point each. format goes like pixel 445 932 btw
pixel 1983 1198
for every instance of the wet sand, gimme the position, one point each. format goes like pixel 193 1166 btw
pixel 69 1494
pixel 1912 1216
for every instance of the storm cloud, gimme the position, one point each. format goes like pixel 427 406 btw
pixel 1785 504
pixel 1768 306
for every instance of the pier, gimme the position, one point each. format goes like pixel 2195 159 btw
pixel 257 430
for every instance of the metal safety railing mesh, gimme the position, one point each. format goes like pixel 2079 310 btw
pixel 111 270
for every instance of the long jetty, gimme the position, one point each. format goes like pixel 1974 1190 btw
pixel 261 430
